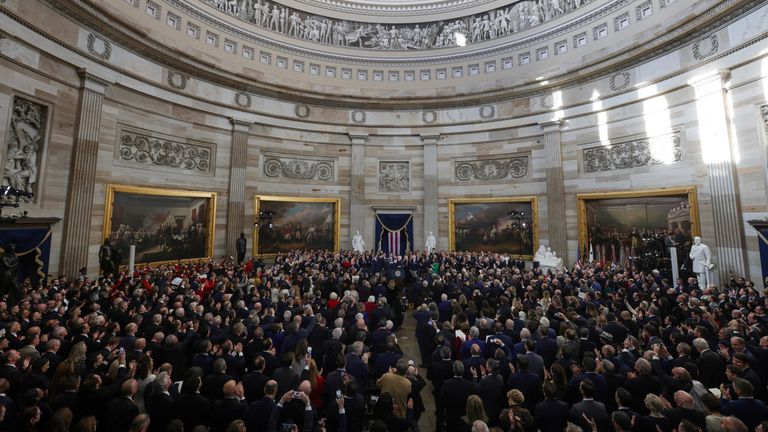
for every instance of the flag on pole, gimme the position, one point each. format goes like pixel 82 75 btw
pixel 393 238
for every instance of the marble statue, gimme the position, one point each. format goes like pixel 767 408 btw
pixel 24 144
pixel 431 243
pixel 701 257
pixel 547 257
pixel 486 26
pixel 358 244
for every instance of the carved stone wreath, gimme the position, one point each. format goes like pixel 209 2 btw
pixel 632 154
pixel 358 116
pixel 148 150
pixel 491 169
pixel 429 117
pixel 298 169
pixel 243 99
pixel 713 48
pixel 99 46
pixel 619 81
pixel 301 111
pixel 177 81
pixel 487 112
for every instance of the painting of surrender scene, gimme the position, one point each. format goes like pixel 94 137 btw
pixel 165 225
pixel 502 225
pixel 289 223
pixel 638 228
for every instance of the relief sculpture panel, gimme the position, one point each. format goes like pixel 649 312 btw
pixel 299 169
pixel 24 148
pixel 633 154
pixel 489 170
pixel 143 148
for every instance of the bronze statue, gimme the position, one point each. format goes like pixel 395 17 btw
pixel 9 279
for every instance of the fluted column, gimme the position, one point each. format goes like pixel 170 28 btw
pixel 717 151
pixel 82 180
pixel 430 187
pixel 236 200
pixel 558 239
pixel 357 191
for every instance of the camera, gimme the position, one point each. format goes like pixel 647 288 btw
pixel 309 351
pixel 338 394
pixel 296 394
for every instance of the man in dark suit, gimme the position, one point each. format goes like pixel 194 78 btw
pixel 640 383
pixel 160 405
pixel 335 379
pixel 258 413
pixel 615 329
pixel 525 381
pixel 67 398
pixel 546 348
pixel 254 382
pixel 9 420
pixel 551 414
pixel 357 365
pixel 453 399
pixel 585 345
pixel 284 375
pixel 214 383
pixel 386 360
pixel 490 389
pixel 123 410
pixel 193 408
pixel 228 409
pixel 589 410
pixel 746 408
pixel 472 363
pixel 440 371
pixel 711 366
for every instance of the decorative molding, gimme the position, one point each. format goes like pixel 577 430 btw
pixel 177 80
pixel 302 111
pixel 491 170
pixel 639 9
pixel 99 46
pixel 632 153
pixel 429 117
pixel 394 176
pixel 619 81
pixel 23 151
pixel 714 46
pixel 358 116
pixel 485 26
pixel 299 169
pixel 487 112
pixel 143 148
pixel 390 9
pixel 243 100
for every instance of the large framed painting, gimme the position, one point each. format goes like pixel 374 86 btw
pixel 164 224
pixel 504 225
pixel 286 223
pixel 637 228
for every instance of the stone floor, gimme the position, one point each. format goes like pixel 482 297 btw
pixel 407 340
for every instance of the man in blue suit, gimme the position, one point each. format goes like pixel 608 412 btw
pixel 746 408
pixel 528 383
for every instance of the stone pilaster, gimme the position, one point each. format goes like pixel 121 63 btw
pixel 82 180
pixel 357 192
pixel 236 199
pixel 717 151
pixel 558 239
pixel 430 188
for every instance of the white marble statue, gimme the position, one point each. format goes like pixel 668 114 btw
pixel 358 244
pixel 547 257
pixel 431 243
pixel 701 257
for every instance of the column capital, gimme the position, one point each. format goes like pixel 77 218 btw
pixel 429 138
pixel 711 82
pixel 358 137
pixel 551 126
pixel 239 125
pixel 89 81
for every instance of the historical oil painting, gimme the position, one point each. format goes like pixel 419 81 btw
pixel 637 228
pixel 285 223
pixel 502 225
pixel 165 225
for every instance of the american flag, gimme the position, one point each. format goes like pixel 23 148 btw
pixel 393 238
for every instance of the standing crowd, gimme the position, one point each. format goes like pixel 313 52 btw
pixel 310 343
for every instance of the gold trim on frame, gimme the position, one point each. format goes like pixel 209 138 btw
pixel 285 198
pixel 142 190
pixel 581 200
pixel 533 200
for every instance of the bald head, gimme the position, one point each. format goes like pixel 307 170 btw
pixel 683 399
pixel 229 388
pixel 305 387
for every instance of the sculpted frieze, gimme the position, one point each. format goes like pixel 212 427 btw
pixel 299 169
pixel 489 170
pixel 633 154
pixel 515 17
pixel 145 149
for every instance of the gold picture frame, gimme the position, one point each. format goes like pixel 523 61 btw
pixel 264 202
pixel 583 200
pixel 525 251
pixel 182 237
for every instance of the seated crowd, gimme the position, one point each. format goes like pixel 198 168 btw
pixel 310 343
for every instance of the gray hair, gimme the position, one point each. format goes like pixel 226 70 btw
pixel 479 426
pixel 700 344
pixel 336 333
